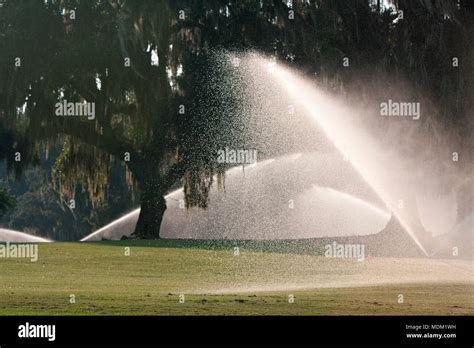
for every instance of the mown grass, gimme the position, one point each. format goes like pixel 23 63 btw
pixel 214 281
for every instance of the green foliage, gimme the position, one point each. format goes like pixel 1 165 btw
pixel 41 210
pixel 136 106
pixel 6 201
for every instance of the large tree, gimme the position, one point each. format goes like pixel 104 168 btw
pixel 143 63
pixel 127 58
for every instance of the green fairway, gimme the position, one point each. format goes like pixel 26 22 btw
pixel 217 280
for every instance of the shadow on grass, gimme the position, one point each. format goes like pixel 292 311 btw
pixel 387 243
pixel 299 246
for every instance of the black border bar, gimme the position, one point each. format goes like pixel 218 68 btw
pixel 193 331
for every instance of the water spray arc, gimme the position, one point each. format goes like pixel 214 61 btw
pixel 335 120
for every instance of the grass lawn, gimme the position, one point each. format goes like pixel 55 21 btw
pixel 213 280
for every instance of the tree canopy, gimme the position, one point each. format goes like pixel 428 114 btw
pixel 141 64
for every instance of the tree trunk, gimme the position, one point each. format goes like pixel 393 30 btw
pixel 153 206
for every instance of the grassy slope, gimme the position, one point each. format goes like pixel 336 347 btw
pixel 149 281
